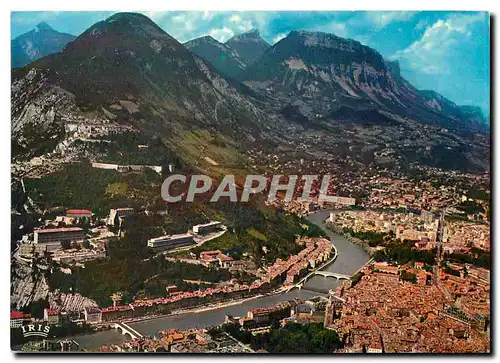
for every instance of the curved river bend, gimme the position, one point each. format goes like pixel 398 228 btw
pixel 350 258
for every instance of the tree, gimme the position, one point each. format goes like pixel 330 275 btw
pixel 408 276
pixel 36 308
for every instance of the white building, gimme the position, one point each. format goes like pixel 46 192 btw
pixel 171 241
pixel 207 227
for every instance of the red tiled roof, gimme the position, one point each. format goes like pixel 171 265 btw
pixel 207 253
pixel 117 308
pixel 78 211
pixel 16 315
pixel 92 310
pixel 53 230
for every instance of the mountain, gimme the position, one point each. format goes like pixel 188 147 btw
pixel 309 95
pixel 475 114
pixel 128 57
pixel 325 72
pixel 249 45
pixel 433 99
pixel 127 69
pixel 37 43
pixel 225 59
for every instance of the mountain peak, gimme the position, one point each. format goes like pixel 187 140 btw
pixel 253 31
pixel 129 16
pixel 126 25
pixel 314 33
pixel 123 28
pixel 208 39
pixel 325 49
pixel 252 35
pixel 40 41
pixel 322 39
pixel 224 58
pixel 43 26
pixel 249 45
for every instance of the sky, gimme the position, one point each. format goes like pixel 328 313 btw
pixel 448 52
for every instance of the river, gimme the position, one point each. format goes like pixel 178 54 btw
pixel 350 258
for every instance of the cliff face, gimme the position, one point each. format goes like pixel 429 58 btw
pixel 329 73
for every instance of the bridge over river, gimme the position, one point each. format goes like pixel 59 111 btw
pixel 349 260
pixel 127 330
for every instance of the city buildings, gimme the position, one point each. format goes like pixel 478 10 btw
pixel 71 256
pixel 51 316
pixel 58 235
pixel 270 314
pixel 53 237
pixel 171 241
pixel 207 227
pixel 116 215
pixel 28 250
pixel 92 315
pixel 383 313
pixel 18 319
pixel 78 213
pixel 127 168
pixel 210 258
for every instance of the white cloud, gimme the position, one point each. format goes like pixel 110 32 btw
pixel 339 29
pixel 278 37
pixel 336 28
pixel 429 53
pixel 262 18
pixel 421 24
pixel 245 26
pixel 235 18
pixel 207 15
pixel 240 24
pixel 221 34
pixel 188 22
pixel 34 18
pixel 381 19
pixel 220 25
pixel 363 39
pixel 156 16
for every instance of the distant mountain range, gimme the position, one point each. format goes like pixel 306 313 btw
pixel 37 43
pixel 325 72
pixel 244 90
pixel 234 56
pixel 250 45
pixel 224 58
pixel 127 57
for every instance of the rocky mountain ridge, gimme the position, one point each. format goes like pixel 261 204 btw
pixel 128 69
pixel 249 45
pixel 325 72
pixel 224 58
pixel 125 58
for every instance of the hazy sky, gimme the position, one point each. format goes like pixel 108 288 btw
pixel 444 51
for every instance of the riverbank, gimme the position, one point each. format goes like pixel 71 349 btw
pixel 195 310
pixel 359 242
pixel 350 257
pixel 311 273
pixel 223 304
